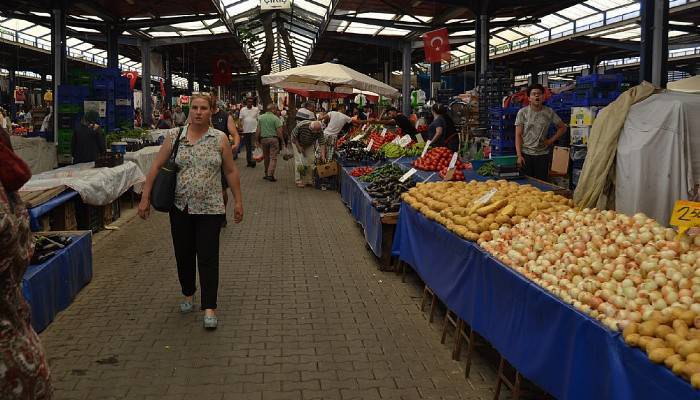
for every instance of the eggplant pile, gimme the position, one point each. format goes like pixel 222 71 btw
pixel 355 152
pixel 46 246
pixel 386 192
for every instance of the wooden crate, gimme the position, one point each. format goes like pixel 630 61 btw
pixel 63 217
pixel 327 169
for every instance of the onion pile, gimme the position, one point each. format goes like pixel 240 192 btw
pixel 616 268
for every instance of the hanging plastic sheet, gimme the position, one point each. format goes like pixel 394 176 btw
pixel 565 352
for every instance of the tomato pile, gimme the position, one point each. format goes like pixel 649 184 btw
pixel 361 171
pixel 380 141
pixel 422 128
pixel 437 159
pixel 457 176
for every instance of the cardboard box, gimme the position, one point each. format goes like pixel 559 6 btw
pixel 580 134
pixel 327 169
pixel 583 116
pixel 560 161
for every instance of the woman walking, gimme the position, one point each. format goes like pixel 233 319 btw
pixel 24 373
pixel 198 212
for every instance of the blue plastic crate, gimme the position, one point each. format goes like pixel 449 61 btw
pixel 503 135
pixel 598 80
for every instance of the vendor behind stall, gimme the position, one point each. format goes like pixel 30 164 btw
pixel 396 119
pixel 531 126
pixel 87 142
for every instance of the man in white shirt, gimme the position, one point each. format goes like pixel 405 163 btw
pixel 335 121
pixel 248 119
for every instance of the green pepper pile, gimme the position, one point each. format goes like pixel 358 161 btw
pixel 488 169
pixel 385 171
pixel 393 150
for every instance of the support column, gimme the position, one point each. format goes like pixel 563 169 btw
pixel 484 43
pixel 435 77
pixel 58 51
pixel 659 59
pixel 190 84
pixel 477 53
pixel 112 46
pixel 533 77
pixel 168 81
pixel 406 86
pixel 646 11
pixel 12 85
pixel 147 107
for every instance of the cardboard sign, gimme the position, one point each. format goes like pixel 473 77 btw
pixel 685 215
pixel 485 198
pixel 396 140
pixel 425 149
pixel 404 141
pixel 451 168
pixel 419 138
pixel 383 132
pixel 356 138
pixel 369 145
pixel 407 175
pixel 560 160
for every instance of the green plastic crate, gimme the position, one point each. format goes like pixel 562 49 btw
pixel 70 108
pixel 505 161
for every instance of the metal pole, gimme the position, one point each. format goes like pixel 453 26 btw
pixel 659 60
pixel 58 50
pixel 406 87
pixel 112 46
pixel 477 53
pixel 168 81
pixel 146 83
pixel 12 78
pixel 484 43
pixel 646 54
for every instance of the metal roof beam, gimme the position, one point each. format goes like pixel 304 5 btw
pixel 164 21
pixel 618 44
pixel 684 28
pixel 168 41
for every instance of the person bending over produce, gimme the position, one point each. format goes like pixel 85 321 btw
pixel 531 125
pixel 399 120
pixel 305 136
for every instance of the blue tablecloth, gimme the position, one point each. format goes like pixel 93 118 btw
pixel 565 352
pixel 51 287
pixel 354 195
pixel 37 212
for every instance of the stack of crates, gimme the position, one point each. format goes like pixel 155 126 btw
pixel 124 110
pixel 109 86
pixel 561 104
pixel 494 86
pixel 581 121
pixel 502 130
pixel 69 110
pixel 597 90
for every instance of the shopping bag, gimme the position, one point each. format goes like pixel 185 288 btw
pixel 287 152
pixel 257 154
pixel 300 164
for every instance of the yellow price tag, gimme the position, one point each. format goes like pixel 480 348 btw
pixel 686 215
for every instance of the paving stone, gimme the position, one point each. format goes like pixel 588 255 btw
pixel 302 314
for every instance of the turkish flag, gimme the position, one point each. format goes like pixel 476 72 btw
pixel 132 75
pixel 162 89
pixel 437 46
pixel 221 72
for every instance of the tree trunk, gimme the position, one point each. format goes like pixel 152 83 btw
pixel 291 102
pixel 265 60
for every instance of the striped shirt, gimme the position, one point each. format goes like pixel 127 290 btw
pixel 306 136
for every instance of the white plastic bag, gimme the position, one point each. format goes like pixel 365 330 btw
pixel 287 152
pixel 257 154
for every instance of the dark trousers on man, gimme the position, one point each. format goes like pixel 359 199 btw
pixel 536 166
pixel 247 141
pixel 196 243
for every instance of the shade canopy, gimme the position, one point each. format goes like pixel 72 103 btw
pixel 327 77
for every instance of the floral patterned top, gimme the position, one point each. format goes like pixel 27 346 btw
pixel 198 187
pixel 24 373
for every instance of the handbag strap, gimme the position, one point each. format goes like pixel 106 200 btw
pixel 176 146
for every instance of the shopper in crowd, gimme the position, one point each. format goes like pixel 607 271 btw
pixel 394 118
pixel 87 141
pixel 24 372
pixel 531 126
pixel 138 118
pixel 442 132
pixel 248 120
pixel 4 121
pixel 195 221
pixel 305 136
pixel 335 122
pixel 179 117
pixel 369 112
pixel 28 116
pixel 269 137
pixel 307 112
pixel 223 122
pixel 165 121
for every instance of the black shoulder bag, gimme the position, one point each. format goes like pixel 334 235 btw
pixel 163 190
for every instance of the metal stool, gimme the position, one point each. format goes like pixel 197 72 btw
pixel 513 385
pixel 433 301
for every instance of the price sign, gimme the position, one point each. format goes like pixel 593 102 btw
pixel 364 127
pixel 407 175
pixel 425 149
pixel 453 161
pixel 419 138
pixel 396 140
pixel 685 215
pixel 383 132
pixel 356 138
pixel 451 168
pixel 369 146
pixel 485 198
pixel 404 141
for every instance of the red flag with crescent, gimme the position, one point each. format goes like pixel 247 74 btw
pixel 162 88
pixel 437 45
pixel 221 72
pixel 132 75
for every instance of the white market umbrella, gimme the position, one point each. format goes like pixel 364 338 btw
pixel 327 77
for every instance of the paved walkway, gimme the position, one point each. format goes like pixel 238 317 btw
pixel 304 313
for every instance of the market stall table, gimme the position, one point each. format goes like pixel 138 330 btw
pixel 50 287
pixel 565 352
pixel 144 159
pixel 35 213
pixel 39 154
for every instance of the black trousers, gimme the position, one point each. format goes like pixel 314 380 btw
pixel 537 166
pixel 247 141
pixel 196 244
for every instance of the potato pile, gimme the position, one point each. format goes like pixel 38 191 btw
pixel 472 210
pixel 671 339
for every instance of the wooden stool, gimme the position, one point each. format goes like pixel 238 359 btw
pixel 400 268
pixel 451 319
pixel 433 301
pixel 470 338
pixel 513 385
